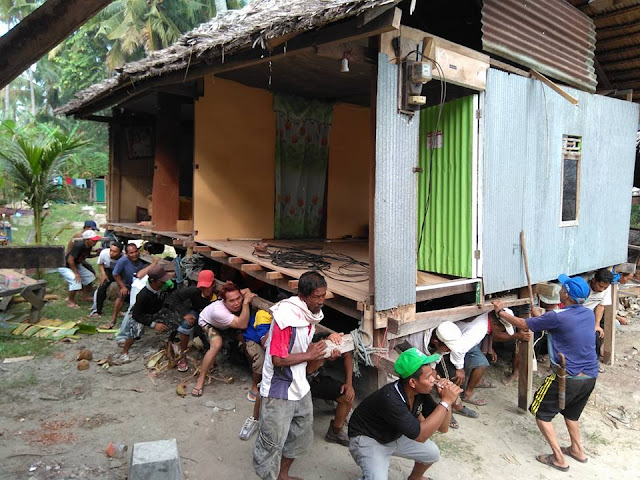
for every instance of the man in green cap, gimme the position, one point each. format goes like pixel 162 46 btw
pixel 398 419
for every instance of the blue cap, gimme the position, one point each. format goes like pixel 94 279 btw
pixel 577 287
pixel 90 224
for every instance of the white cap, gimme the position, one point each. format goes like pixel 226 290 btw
pixel 90 235
pixel 450 334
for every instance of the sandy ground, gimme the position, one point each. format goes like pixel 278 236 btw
pixel 57 421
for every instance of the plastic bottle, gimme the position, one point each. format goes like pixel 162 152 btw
pixel 116 450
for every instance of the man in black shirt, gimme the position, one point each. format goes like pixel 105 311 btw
pixel 399 418
pixel 75 273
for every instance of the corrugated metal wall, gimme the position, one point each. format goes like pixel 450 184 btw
pixel 395 195
pixel 523 127
pixel 550 36
pixel 445 188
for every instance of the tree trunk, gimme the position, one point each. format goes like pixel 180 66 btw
pixel 37 223
pixel 33 93
pixel 7 103
pixel 221 6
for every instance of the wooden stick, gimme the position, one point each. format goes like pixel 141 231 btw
pixel 525 349
pixel 553 86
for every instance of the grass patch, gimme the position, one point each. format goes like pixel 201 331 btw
pixel 596 439
pixel 19 346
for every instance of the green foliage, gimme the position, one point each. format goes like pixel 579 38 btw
pixel 635 216
pixel 32 157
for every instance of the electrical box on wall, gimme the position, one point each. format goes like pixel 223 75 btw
pixel 414 75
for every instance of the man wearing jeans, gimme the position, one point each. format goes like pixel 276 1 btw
pixel 398 419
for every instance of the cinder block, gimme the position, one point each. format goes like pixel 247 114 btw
pixel 155 460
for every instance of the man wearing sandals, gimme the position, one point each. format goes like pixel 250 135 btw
pixel 232 311
pixel 77 276
pixel 571 331
pixel 399 419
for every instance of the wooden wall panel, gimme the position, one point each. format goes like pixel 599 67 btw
pixel 233 189
pixel 350 152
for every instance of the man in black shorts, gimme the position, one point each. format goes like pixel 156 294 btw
pixel 571 334
pixel 335 384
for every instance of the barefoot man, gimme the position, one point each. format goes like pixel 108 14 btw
pixel 571 331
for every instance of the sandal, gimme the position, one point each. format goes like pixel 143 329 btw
pixel 196 392
pixel 453 423
pixel 479 402
pixel 252 396
pixel 567 451
pixel 467 412
pixel 107 326
pixel 183 365
pixel 548 460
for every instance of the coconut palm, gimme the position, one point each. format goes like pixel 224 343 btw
pixel 31 163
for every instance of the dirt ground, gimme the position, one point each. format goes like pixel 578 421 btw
pixel 57 421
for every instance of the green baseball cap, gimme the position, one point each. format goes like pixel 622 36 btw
pixel 411 360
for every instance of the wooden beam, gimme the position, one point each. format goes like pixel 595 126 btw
pixel 433 318
pixel 236 260
pixel 178 243
pixel 553 86
pixel 292 284
pixel 32 257
pixel 509 68
pixel 274 276
pixel 202 248
pixel 40 31
pixel 251 267
pixel 609 342
pixel 218 254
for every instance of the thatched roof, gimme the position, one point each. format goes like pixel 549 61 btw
pixel 231 32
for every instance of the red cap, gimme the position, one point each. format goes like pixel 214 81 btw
pixel 205 278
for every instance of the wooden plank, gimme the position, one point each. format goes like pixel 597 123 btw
pixel 525 374
pixel 32 257
pixel 250 267
pixel 433 318
pixel 293 284
pixel 553 86
pixel 445 291
pixel 236 260
pixel 274 276
pixel 217 254
pixel 609 341
pixel 509 68
pixel 329 295
pixel 202 248
pixel 178 243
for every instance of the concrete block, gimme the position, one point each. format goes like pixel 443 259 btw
pixel 155 461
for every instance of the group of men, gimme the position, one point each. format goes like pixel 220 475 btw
pixel 288 358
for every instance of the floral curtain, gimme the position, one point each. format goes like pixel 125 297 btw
pixel 302 154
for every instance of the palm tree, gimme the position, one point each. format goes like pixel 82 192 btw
pixel 32 162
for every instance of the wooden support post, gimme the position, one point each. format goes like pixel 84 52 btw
pixel 166 174
pixel 609 343
pixel 35 297
pixel 525 374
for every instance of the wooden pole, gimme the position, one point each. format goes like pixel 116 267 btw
pixel 609 343
pixel 525 349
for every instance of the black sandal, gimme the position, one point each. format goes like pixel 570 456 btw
pixel 453 423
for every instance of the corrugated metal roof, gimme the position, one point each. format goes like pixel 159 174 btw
pixel 618 42
pixel 445 200
pixel 549 36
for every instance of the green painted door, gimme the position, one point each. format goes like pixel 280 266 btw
pixel 100 190
pixel 446 189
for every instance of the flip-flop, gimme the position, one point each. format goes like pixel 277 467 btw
pixel 453 423
pixel 485 385
pixel 251 396
pixel 480 402
pixel 567 451
pixel 548 460
pixel 196 392
pixel 467 412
